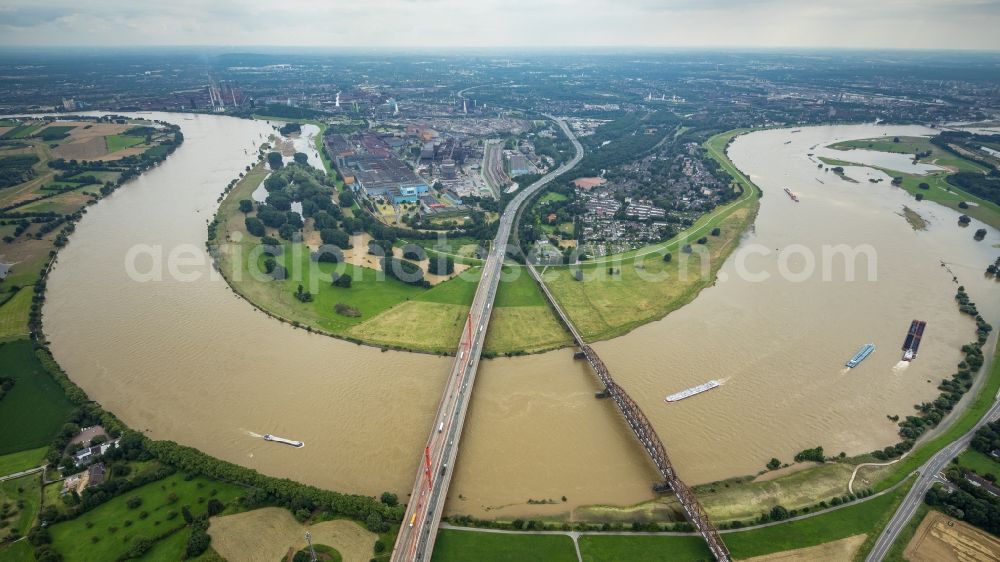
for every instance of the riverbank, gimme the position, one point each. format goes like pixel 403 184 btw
pixel 390 314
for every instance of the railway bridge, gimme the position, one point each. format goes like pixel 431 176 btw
pixel 645 432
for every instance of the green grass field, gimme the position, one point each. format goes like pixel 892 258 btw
pixel 552 196
pixel 24 497
pixel 55 132
pixel 22 131
pixel 22 460
pixel 639 548
pixel 35 408
pixel 493 547
pixel 17 552
pixel 115 525
pixel 121 142
pixel 912 145
pixel 980 463
pixel 14 314
pixel 867 517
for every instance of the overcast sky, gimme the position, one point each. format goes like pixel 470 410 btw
pixel 926 24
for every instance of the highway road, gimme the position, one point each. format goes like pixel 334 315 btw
pixel 430 489
pixel 928 474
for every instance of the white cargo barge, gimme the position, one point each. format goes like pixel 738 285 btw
pixel 692 391
pixel 276 439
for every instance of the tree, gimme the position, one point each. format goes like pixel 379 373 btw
pixel 441 265
pixel 302 295
pixel 344 281
pixel 254 226
pixel 140 546
pixel 198 542
pixel 919 197
pixel 214 507
pixel 134 502
pixel 275 183
pixel 667 257
pixel 964 219
pixel 773 464
pixel 301 158
pixel 246 205
pixel 274 160
pixel 716 231
pixel 38 536
pixel 346 198
pixel 779 513
pixel 186 513
pixel 389 499
pixel 335 237
pixel 924 185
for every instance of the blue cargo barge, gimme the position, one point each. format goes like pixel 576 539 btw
pixel 860 356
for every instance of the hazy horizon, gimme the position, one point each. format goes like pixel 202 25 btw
pixel 511 24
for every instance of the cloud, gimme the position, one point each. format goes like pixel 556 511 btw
pixel 505 23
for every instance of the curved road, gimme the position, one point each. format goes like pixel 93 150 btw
pixel 430 489
pixel 928 474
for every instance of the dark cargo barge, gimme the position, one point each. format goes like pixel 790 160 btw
pixel 912 341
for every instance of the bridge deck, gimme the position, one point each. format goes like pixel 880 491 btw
pixel 425 505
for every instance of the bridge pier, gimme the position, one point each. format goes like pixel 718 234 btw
pixel 602 394
pixel 661 487
pixel 579 355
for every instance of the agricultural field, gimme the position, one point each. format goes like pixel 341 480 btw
pixel 940 538
pixel 39 193
pixel 115 525
pixel 121 142
pixel 36 407
pixel 268 534
pixel 456 546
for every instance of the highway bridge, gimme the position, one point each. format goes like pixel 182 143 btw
pixel 426 502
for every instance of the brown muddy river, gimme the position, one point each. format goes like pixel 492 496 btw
pixel 187 360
